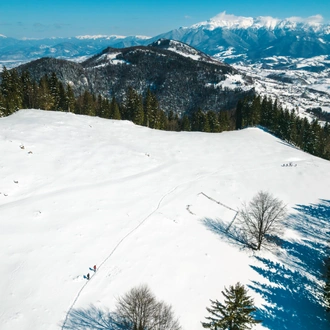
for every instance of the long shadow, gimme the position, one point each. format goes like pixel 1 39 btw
pixel 293 293
pixel 232 235
pixel 294 298
pixel 93 318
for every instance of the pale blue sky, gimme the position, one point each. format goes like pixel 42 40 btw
pixel 64 18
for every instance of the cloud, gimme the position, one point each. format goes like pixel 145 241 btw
pixel 187 17
pixel 228 17
pixel 316 19
pixel 239 20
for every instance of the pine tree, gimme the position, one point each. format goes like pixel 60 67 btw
pixel 152 113
pixel 45 99
pixel 147 108
pixel 27 89
pixel 70 99
pixel 62 97
pixel 138 112
pixel 114 109
pixel 185 124
pixel 53 84
pixel 213 121
pixel 198 121
pixel 11 90
pixel 235 313
pixel 99 107
pixel 224 121
pixel 239 115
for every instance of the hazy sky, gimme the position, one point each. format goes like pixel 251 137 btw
pixel 64 18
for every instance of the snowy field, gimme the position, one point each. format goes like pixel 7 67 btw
pixel 146 207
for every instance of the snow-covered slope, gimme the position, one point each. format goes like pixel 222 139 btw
pixel 257 38
pixel 224 20
pixel 144 206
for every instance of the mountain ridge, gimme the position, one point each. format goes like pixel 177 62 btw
pixel 268 22
pixel 191 80
pixel 253 37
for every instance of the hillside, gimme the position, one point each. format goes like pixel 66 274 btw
pixel 143 205
pixel 182 78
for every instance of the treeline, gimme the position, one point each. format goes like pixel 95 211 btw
pixel 311 137
pixel 321 115
pixel 21 91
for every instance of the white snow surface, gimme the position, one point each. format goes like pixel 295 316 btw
pixel 140 203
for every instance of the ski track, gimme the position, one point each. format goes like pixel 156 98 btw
pixel 126 236
pixel 114 249
pixel 148 216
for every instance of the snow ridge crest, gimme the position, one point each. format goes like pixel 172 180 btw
pixel 224 20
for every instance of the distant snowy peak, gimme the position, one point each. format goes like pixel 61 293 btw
pixel 100 36
pixel 228 21
pixel 109 37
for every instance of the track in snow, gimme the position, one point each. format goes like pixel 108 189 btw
pixel 113 251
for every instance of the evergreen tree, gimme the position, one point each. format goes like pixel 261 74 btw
pixel 266 116
pixel 114 109
pixel 239 115
pixel 27 90
pixel 152 113
pixel 88 104
pixel 99 111
pixel 147 108
pixel 11 90
pixel 256 111
pixel 137 111
pixel 163 121
pixel 224 121
pixel 198 121
pixel 45 98
pixel 70 99
pixel 185 124
pixel 54 90
pixel 235 313
pixel 213 121
pixel 62 106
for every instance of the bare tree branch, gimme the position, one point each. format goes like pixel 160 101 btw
pixel 262 217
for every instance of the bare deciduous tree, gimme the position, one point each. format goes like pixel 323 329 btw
pixel 140 310
pixel 261 218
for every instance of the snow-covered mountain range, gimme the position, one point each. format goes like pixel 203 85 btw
pixel 256 38
pixel 292 51
pixel 247 37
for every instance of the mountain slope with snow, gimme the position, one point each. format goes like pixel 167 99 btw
pixel 256 38
pixel 146 206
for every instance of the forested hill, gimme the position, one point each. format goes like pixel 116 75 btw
pixel 182 79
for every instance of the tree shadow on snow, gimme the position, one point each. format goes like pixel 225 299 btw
pixel 294 297
pixel 232 234
pixel 92 318
pixel 293 292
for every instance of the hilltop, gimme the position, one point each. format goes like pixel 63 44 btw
pixel 144 205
